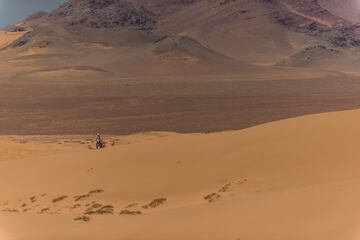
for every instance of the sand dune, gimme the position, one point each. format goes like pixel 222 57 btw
pixel 292 179
pixel 7 38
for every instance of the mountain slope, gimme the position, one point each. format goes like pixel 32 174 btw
pixel 262 32
pixel 103 14
pixel 116 36
pixel 347 9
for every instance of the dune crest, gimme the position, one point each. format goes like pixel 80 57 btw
pixel 184 184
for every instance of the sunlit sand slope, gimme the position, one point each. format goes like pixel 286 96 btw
pixel 292 179
pixel 7 38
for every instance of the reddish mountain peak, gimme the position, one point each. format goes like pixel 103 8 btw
pixel 104 14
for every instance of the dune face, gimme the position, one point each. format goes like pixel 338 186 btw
pixel 8 38
pixel 289 179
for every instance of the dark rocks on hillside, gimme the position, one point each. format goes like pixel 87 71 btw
pixel 320 47
pixel 340 34
pixel 299 24
pixel 310 55
pixel 315 28
pixel 16 29
pixel 344 39
pixel 284 19
pixel 340 41
pixel 104 14
pixel 220 3
pixel 23 40
pixel 169 44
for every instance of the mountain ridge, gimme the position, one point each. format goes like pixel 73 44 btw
pixel 260 32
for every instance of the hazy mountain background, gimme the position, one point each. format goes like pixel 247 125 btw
pixel 129 66
pixel 14 10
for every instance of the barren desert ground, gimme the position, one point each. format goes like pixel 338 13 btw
pixel 290 179
pixel 176 104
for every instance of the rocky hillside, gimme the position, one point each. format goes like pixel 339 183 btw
pixel 253 31
pixel 103 14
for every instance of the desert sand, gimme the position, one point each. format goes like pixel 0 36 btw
pixel 290 179
pixel 206 105
pixel 7 37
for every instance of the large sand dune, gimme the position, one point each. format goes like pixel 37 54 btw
pixel 292 179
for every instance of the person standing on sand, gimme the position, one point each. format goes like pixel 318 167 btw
pixel 99 141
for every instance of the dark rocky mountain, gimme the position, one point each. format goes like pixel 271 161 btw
pixel 253 31
pixel 103 14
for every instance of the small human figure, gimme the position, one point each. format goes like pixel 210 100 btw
pixel 99 142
